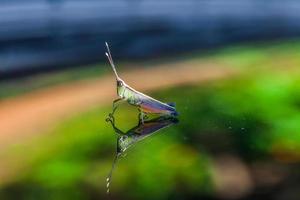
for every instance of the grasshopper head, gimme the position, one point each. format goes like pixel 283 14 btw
pixel 120 87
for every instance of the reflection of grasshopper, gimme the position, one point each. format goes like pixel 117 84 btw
pixel 145 103
pixel 135 134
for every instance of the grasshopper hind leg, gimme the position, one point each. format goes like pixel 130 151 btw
pixel 142 117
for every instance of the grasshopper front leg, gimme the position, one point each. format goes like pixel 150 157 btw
pixel 115 106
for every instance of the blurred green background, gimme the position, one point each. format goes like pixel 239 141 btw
pixel 238 136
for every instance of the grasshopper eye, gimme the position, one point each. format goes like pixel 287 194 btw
pixel 120 83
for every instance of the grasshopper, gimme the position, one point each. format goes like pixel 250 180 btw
pixel 146 104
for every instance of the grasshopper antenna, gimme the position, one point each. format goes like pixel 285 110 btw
pixel 108 54
pixel 109 177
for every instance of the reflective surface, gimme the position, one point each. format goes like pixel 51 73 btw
pixel 238 137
